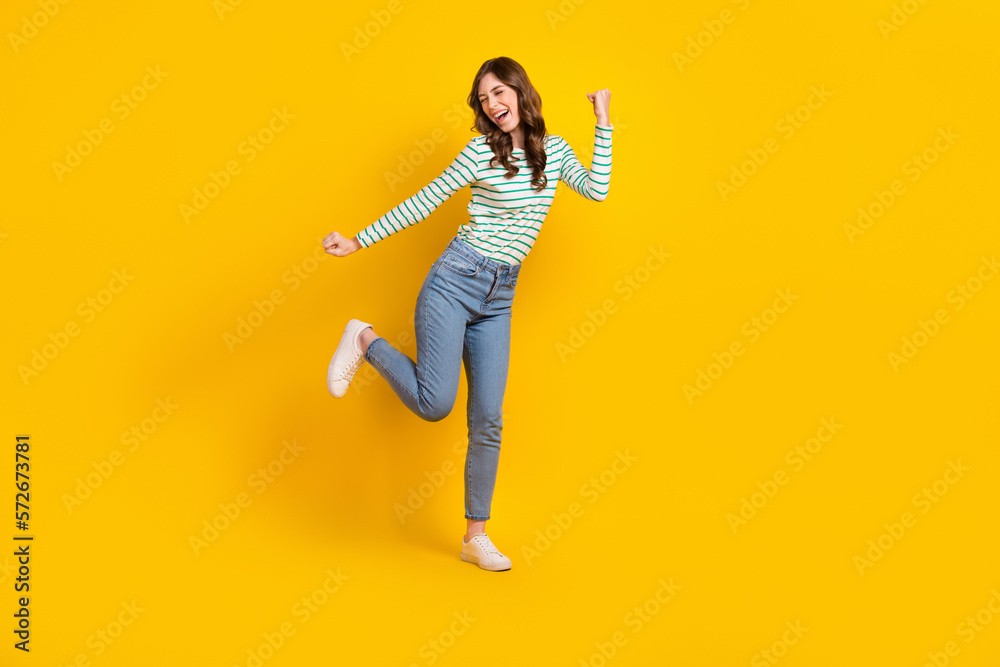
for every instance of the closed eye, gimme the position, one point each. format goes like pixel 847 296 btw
pixel 482 98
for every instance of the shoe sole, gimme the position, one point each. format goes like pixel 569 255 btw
pixel 472 559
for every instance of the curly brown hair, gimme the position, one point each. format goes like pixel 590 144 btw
pixel 529 108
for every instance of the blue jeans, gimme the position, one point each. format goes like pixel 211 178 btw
pixel 463 314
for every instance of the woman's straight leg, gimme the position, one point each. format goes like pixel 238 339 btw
pixel 486 356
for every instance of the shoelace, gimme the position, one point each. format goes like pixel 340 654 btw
pixel 352 367
pixel 486 545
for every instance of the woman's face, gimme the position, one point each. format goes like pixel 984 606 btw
pixel 499 99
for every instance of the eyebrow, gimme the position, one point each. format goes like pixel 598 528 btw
pixel 482 95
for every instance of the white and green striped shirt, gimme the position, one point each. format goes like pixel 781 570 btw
pixel 506 214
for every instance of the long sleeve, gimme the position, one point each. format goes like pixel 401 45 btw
pixel 461 172
pixel 595 182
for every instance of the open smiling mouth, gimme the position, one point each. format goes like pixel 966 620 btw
pixel 503 115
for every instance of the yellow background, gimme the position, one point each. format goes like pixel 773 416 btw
pixel 678 132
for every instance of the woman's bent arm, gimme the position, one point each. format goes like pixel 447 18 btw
pixel 595 182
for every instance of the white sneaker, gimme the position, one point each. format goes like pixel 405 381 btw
pixel 480 550
pixel 346 360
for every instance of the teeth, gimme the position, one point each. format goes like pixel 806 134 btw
pixel 501 114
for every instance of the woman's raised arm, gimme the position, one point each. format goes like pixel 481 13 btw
pixel 595 182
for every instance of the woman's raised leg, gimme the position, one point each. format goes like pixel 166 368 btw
pixel 429 386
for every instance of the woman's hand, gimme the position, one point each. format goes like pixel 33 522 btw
pixel 339 245
pixel 602 102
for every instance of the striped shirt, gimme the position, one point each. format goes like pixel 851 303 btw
pixel 505 214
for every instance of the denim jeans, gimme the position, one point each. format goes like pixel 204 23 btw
pixel 463 314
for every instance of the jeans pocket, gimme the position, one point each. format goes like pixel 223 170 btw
pixel 457 263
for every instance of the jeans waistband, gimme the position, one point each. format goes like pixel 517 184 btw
pixel 481 260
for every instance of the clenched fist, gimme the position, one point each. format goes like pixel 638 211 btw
pixel 339 245
pixel 602 102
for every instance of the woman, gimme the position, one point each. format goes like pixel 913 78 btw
pixel 463 311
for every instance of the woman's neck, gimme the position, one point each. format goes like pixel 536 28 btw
pixel 517 137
